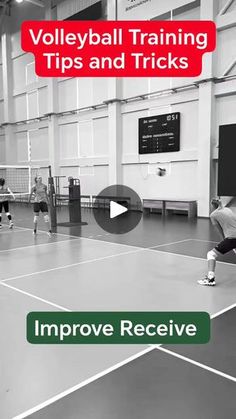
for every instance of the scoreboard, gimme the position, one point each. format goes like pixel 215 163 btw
pixel 159 134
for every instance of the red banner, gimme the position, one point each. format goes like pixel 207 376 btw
pixel 118 48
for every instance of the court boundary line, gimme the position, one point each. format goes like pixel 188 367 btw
pixel 83 262
pixel 84 238
pixel 109 242
pixel 130 245
pixel 109 234
pixel 18 227
pixel 224 310
pixel 196 363
pixel 35 297
pixel 107 371
pixel 3 283
pixel 12 231
pixel 36 245
pixel 206 241
pixel 116 366
pixel 190 257
pixel 137 249
pixel 166 244
pixel 88 238
pixel 113 368
pixel 152 248
pixel 89 380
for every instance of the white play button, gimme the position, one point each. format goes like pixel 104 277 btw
pixel 116 209
pixel 116 215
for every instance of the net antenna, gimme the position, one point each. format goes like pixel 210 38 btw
pixel 19 179
pixel 52 199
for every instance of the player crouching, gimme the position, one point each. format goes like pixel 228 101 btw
pixel 224 219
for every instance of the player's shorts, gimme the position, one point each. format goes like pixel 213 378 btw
pixel 226 246
pixel 4 205
pixel 40 206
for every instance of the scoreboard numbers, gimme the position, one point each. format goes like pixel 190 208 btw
pixel 159 134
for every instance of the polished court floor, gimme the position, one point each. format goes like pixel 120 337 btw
pixel 154 267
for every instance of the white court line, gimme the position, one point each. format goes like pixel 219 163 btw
pixel 128 245
pixel 212 316
pixel 186 240
pixel 121 244
pixel 83 384
pixel 118 365
pixel 11 231
pixel 187 256
pixel 35 297
pixel 151 248
pixel 138 249
pixel 197 364
pixel 168 244
pixel 224 310
pixel 83 262
pixel 39 407
pixel 36 245
pixel 103 373
pixel 206 241
pixel 17 227
pixel 115 243
pixel 87 238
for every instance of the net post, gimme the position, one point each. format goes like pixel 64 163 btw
pixel 74 200
pixel 30 174
pixel 52 198
pixel 74 204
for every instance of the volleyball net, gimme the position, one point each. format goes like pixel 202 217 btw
pixel 19 179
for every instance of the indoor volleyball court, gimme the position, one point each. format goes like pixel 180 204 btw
pixel 83 268
pixel 117 204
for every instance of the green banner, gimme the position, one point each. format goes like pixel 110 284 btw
pixel 118 327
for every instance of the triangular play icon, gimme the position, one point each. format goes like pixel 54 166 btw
pixel 116 209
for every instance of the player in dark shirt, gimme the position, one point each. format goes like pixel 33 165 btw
pixel 224 220
pixel 5 193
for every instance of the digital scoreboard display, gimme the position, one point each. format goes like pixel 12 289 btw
pixel 159 134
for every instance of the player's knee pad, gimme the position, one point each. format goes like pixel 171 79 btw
pixel 46 218
pixel 7 214
pixel 212 255
pixel 36 217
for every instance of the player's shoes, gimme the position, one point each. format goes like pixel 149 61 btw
pixel 206 281
pixel 34 233
pixel 0 225
pixel 49 233
pixel 11 224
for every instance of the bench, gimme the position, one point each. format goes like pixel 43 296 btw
pixel 63 199
pixel 170 205
pixel 103 201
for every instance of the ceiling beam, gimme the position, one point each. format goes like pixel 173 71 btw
pixel 39 3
